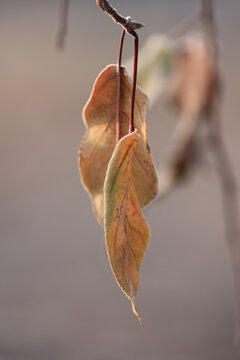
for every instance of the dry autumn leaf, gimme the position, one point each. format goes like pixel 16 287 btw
pixel 194 80
pixel 177 169
pixel 100 140
pixel 126 231
pixel 192 89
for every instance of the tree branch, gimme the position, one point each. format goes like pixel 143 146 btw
pixel 62 23
pixel 126 22
pixel 229 202
pixel 209 24
pixel 224 169
pixel 207 10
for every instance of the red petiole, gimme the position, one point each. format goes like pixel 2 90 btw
pixel 131 122
pixel 119 87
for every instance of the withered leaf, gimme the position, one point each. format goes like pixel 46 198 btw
pixel 100 140
pixel 194 79
pixel 192 88
pixel 178 167
pixel 126 231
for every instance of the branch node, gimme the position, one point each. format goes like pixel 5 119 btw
pixel 126 22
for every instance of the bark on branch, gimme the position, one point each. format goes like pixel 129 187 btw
pixel 126 22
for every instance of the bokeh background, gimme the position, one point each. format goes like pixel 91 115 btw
pixel 58 298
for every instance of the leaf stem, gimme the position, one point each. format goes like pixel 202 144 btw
pixel 129 26
pixel 119 87
pixel 136 43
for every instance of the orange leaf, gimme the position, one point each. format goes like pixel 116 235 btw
pixel 100 140
pixel 126 231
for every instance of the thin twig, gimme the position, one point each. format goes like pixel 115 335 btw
pixel 209 24
pixel 207 10
pixel 230 204
pixel 62 23
pixel 224 168
pixel 126 22
pixel 119 87
pixel 184 26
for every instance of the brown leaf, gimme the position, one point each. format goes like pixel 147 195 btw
pixel 193 87
pixel 194 80
pixel 100 140
pixel 178 167
pixel 126 231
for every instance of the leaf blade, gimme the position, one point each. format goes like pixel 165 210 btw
pixel 99 142
pixel 126 231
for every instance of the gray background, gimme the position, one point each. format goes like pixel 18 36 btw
pixel 58 298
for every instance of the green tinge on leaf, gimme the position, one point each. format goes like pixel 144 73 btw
pixel 126 231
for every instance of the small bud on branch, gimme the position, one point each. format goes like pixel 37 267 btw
pixel 126 22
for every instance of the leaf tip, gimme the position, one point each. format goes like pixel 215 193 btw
pixel 135 312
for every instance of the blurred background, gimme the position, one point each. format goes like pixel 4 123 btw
pixel 58 298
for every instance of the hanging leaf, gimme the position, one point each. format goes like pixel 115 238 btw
pixel 194 79
pixel 192 88
pixel 126 231
pixel 100 140
pixel 178 168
